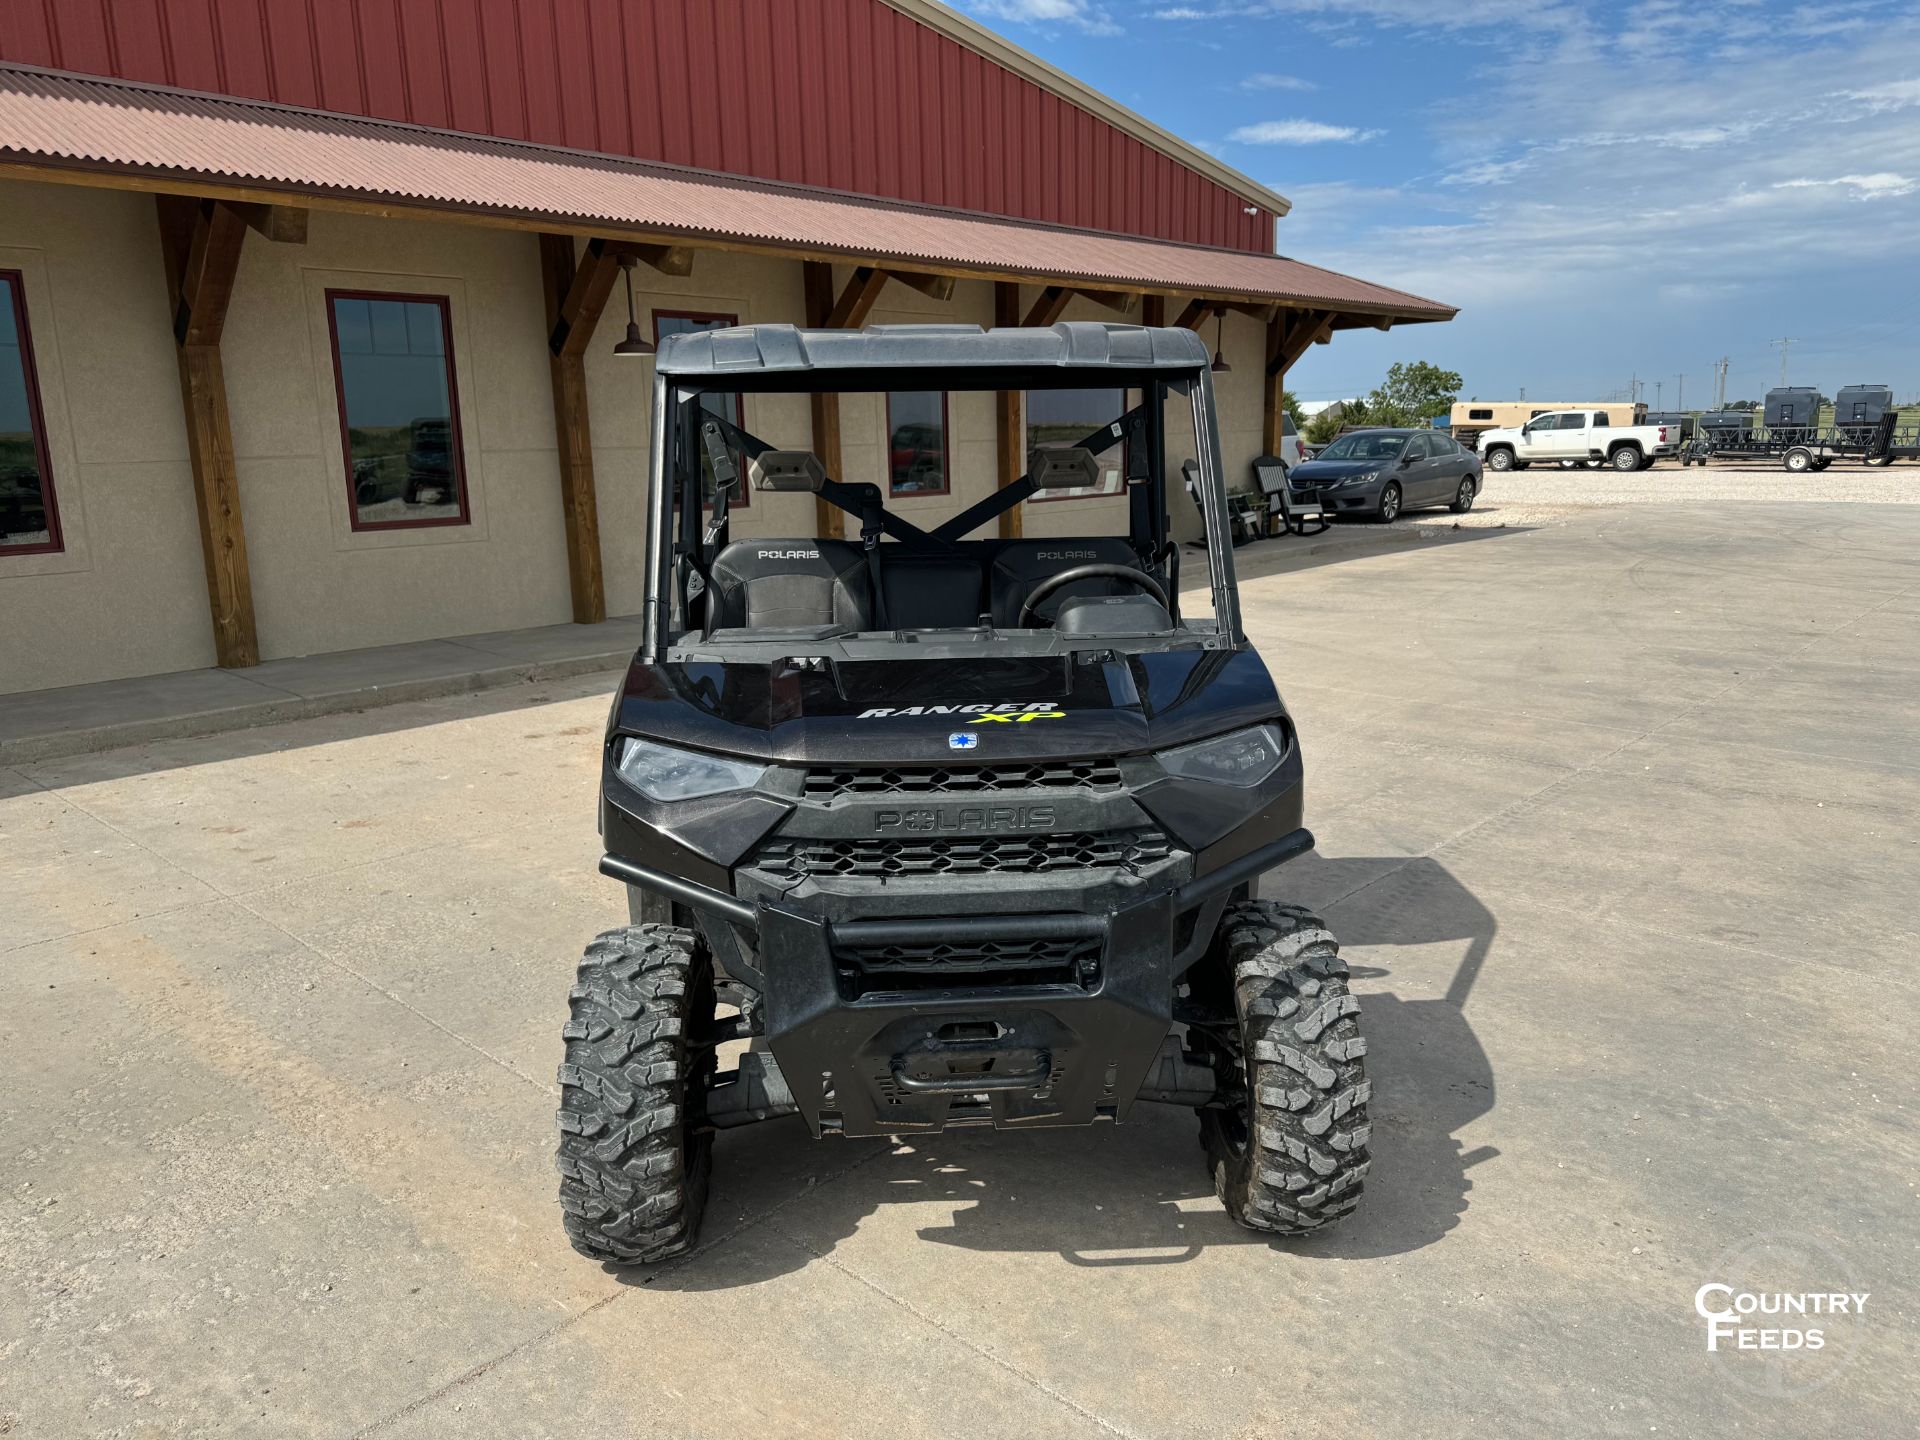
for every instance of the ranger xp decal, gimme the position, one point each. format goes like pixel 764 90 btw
pixel 1039 710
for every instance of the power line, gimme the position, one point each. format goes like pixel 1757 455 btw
pixel 1785 342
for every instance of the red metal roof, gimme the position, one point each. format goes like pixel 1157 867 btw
pixel 115 126
pixel 845 94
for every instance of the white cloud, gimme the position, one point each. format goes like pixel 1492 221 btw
pixel 1270 81
pixel 1882 185
pixel 1081 14
pixel 1300 132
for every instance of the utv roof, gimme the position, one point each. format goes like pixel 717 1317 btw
pixel 772 349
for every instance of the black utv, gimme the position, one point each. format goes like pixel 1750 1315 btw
pixel 954 824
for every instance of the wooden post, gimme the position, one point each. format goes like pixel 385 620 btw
pixel 1008 431
pixel 200 243
pixel 1153 310
pixel 1290 334
pixel 818 279
pixel 576 292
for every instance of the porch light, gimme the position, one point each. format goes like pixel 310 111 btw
pixel 635 343
pixel 1220 365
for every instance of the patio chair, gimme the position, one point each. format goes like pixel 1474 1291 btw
pixel 1295 510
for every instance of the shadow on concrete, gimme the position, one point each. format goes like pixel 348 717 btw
pixel 1354 539
pixel 1139 1193
pixel 299 732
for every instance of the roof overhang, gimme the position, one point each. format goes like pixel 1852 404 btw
pixel 57 126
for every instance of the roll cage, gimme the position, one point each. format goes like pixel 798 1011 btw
pixel 686 531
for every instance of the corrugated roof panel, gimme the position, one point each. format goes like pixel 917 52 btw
pixel 119 126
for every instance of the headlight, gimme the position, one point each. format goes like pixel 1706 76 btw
pixel 661 772
pixel 1361 479
pixel 1244 758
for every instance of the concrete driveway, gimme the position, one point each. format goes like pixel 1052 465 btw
pixel 1618 820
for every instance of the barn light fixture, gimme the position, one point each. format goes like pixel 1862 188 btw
pixel 635 343
pixel 1220 365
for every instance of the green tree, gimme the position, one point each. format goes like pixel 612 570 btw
pixel 1329 422
pixel 1413 393
pixel 1290 403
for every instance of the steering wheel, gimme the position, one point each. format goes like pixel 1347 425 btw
pixel 1137 578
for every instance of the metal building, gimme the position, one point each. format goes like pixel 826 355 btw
pixel 299 302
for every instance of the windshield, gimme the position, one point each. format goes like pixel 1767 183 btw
pixel 1373 445
pixel 921 528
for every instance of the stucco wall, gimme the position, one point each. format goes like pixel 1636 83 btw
pixel 128 595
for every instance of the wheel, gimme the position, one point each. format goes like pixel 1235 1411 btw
pixel 633 1173
pixel 1499 459
pixel 1571 464
pixel 1626 459
pixel 1821 464
pixel 1389 503
pixel 1288 1149
pixel 1646 463
pixel 1879 459
pixel 1799 460
pixel 1463 497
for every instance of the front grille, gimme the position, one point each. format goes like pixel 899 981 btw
pixel 794 859
pixel 847 783
pixel 1066 961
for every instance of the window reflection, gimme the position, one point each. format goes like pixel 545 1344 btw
pixel 29 516
pixel 399 420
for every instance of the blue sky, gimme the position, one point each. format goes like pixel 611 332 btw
pixel 1603 189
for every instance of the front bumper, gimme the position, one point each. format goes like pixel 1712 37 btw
pixel 1072 1049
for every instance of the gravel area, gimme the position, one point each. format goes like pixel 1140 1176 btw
pixel 1669 483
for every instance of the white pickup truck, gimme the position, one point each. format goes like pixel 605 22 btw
pixel 1579 435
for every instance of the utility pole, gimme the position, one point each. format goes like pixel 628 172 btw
pixel 1785 342
pixel 1680 394
pixel 1659 389
pixel 1720 382
pixel 1523 392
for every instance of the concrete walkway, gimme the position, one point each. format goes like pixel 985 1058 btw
pixel 75 719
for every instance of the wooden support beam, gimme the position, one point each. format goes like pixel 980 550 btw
pixel 1009 433
pixel 200 243
pixel 1153 310
pixel 667 259
pixel 1048 306
pixel 934 287
pixel 282 224
pixel 1121 300
pixel 817 277
pixel 856 302
pixel 576 292
pixel 1196 314
pixel 575 309
pixel 1292 333
pixel 1263 313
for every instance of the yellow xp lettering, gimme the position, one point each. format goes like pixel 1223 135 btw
pixel 1005 712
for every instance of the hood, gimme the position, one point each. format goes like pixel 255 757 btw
pixel 911 712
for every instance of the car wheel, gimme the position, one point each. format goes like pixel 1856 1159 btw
pixel 1463 497
pixel 1626 459
pixel 1798 460
pixel 1390 503
pixel 1571 464
pixel 1879 459
pixel 1499 459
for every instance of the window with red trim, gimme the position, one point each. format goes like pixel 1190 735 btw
pixel 399 409
pixel 1061 417
pixel 917 443
pixel 726 406
pixel 29 513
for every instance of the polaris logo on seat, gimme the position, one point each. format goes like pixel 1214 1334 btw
pixel 786 554
pixel 965 819
pixel 1068 555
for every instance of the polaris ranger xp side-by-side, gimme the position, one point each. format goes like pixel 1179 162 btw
pixel 941 825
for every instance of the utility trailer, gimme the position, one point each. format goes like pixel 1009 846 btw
pixel 1801 448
